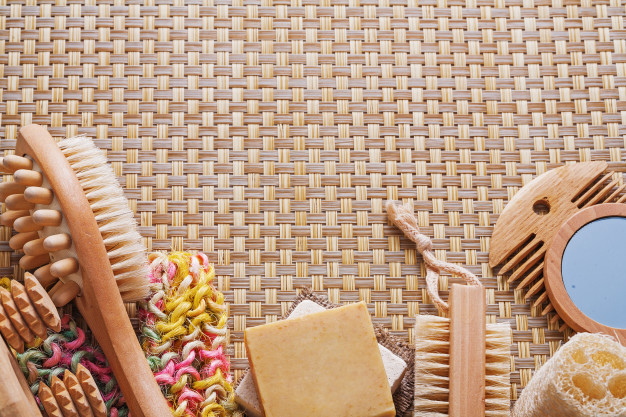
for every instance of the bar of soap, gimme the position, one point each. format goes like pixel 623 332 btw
pixel 246 395
pixel 325 363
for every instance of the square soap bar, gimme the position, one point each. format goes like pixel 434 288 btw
pixel 246 395
pixel 326 363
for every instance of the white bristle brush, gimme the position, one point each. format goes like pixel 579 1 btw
pixel 74 225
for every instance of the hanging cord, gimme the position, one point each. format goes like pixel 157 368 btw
pixel 403 218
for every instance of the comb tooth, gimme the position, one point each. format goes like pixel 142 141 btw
pixel 8 188
pixel 598 184
pixel 563 327
pixel 77 394
pixel 64 267
pixel 48 401
pixel 18 202
pixel 63 398
pixel 602 193
pixel 91 390
pixel 531 277
pixel 555 318
pixel 532 260
pixel 9 217
pixel 521 254
pixel 31 262
pixel 47 217
pixel 26 224
pixel 35 247
pixel 534 289
pixel 42 302
pixel 38 195
pixel 14 315
pixel 18 241
pixel 27 310
pixel 542 298
pixel 15 162
pixel 64 292
pixel 615 193
pixel 621 199
pixel 546 310
pixel 44 276
pixel 58 242
pixel 9 332
pixel 28 177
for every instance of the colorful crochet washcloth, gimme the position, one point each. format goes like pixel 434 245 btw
pixel 65 350
pixel 184 335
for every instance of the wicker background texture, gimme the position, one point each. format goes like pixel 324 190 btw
pixel 269 133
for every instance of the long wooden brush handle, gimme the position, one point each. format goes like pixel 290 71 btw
pixel 467 351
pixel 100 301
pixel 16 399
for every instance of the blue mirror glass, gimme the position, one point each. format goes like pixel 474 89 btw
pixel 594 271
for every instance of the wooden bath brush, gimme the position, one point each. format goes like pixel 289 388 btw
pixel 80 238
pixel 533 230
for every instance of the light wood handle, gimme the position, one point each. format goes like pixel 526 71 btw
pixel 16 400
pixel 467 351
pixel 100 302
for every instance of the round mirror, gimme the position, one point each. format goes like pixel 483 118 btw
pixel 584 271
pixel 593 270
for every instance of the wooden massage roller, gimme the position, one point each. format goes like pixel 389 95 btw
pixel 79 236
pixel 25 312
pixel 526 228
pixel 73 396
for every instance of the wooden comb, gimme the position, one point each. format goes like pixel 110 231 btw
pixel 529 222
pixel 76 229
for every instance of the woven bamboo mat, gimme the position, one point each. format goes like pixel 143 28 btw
pixel 270 133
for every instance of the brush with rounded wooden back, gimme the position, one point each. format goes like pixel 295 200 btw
pixel 79 235
pixel 462 364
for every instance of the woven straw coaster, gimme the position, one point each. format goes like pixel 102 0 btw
pixel 269 134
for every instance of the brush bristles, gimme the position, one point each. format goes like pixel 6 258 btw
pixel 113 215
pixel 432 357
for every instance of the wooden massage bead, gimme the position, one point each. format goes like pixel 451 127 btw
pixel 9 216
pixel 16 318
pixel 38 195
pixel 31 262
pixel 42 302
pixel 15 162
pixel 8 188
pixel 64 292
pixel 18 241
pixel 48 401
pixel 88 384
pixel 47 217
pixel 64 267
pixel 58 242
pixel 26 224
pixel 63 398
pixel 77 394
pixel 18 202
pixel 43 275
pixel 28 177
pixel 9 332
pixel 35 247
pixel 27 310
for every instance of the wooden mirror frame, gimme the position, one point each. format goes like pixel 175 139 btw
pixel 559 297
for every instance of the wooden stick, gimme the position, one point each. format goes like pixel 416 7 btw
pixel 467 351
pixel 16 400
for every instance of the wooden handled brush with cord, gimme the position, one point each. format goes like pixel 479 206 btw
pixel 76 229
pixel 462 364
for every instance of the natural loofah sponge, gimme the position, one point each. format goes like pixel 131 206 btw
pixel 586 377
